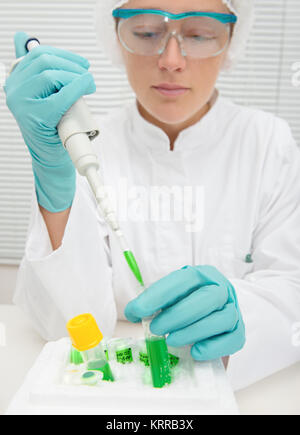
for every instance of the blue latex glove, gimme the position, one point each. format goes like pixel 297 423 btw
pixel 42 87
pixel 199 307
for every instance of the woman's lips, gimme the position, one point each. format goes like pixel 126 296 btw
pixel 171 92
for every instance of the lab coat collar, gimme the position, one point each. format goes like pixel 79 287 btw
pixel 197 135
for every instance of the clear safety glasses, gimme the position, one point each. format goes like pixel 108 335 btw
pixel 199 34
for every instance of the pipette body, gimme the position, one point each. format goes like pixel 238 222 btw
pixel 76 131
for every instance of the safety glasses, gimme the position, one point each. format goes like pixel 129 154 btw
pixel 199 34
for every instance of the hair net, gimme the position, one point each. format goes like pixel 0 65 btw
pixel 107 39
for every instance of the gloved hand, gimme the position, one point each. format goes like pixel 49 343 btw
pixel 42 87
pixel 199 307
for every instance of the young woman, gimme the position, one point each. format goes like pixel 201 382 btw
pixel 219 247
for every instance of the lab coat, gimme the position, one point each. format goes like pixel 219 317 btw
pixel 238 173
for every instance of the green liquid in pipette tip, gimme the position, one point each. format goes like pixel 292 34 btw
pixel 102 366
pixel 133 266
pixel 157 350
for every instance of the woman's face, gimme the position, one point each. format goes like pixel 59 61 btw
pixel 199 75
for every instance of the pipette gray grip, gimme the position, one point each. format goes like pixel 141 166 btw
pixel 78 119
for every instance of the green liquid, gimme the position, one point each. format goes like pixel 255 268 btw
pixel 75 357
pixel 102 366
pixel 133 266
pixel 159 361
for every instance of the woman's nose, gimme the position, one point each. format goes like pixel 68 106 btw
pixel 171 56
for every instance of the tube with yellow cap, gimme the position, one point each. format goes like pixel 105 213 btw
pixel 86 338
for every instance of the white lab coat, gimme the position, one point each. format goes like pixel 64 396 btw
pixel 243 167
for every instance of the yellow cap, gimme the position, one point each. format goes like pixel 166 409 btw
pixel 84 332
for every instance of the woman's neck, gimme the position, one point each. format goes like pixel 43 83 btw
pixel 172 131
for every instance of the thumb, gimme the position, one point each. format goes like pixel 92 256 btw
pixel 20 41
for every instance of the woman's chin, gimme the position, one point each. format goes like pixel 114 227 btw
pixel 166 115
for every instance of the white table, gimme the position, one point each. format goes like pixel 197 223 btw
pixel 277 394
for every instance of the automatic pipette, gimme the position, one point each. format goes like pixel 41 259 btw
pixel 76 131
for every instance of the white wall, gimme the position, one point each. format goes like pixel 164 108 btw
pixel 8 275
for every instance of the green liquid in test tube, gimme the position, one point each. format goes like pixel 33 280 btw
pixel 102 366
pixel 157 348
pixel 158 354
pixel 75 357
pixel 159 361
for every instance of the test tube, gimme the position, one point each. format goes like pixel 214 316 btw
pixel 120 349
pixel 96 360
pixel 75 357
pixel 158 354
pixel 86 338
pixel 157 351
pixel 140 353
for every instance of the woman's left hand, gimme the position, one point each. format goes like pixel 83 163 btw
pixel 198 306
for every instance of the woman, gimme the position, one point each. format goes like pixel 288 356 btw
pixel 224 268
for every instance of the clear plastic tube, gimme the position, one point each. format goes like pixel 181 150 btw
pixel 158 353
pixel 96 360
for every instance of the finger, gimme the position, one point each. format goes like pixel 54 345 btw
pixel 20 40
pixel 47 83
pixel 190 309
pixel 57 91
pixel 69 94
pixel 45 49
pixel 49 62
pixel 130 315
pixel 211 274
pixel 216 323
pixel 167 291
pixel 220 346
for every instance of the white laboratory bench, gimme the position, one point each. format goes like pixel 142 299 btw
pixel 277 394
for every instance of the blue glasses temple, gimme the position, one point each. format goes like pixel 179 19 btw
pixel 128 13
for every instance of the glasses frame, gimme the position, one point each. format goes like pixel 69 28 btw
pixel 128 13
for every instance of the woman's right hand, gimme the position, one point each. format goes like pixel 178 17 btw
pixel 39 91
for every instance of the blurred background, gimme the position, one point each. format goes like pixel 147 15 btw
pixel 267 78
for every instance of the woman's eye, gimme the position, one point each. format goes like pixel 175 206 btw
pixel 202 38
pixel 145 34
